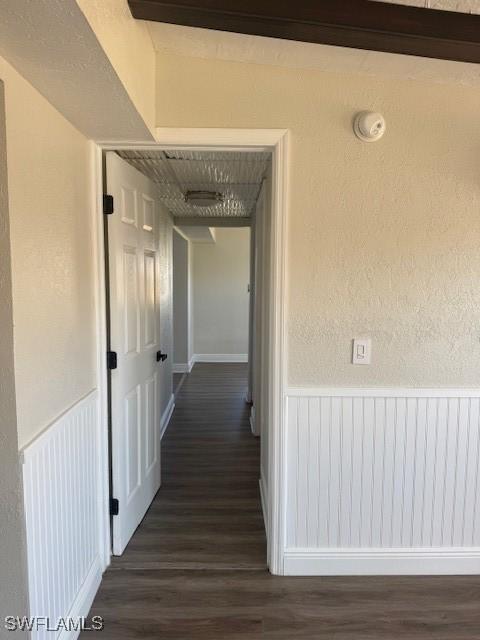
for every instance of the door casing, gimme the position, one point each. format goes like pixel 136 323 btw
pixel 275 141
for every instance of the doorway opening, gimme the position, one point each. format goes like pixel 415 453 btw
pixel 212 296
pixel 149 186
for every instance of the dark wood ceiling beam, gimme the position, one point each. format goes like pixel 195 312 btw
pixel 359 24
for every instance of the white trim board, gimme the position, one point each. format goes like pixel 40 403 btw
pixel 167 414
pixel 182 367
pixel 220 357
pixel 84 600
pixel 98 253
pixel 395 561
pixel 221 139
pixel 381 392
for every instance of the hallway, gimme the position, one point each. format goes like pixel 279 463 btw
pixel 207 514
pixel 195 568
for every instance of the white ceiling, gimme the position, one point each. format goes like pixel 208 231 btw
pixel 461 6
pixel 235 47
pixel 238 176
pixel 198 234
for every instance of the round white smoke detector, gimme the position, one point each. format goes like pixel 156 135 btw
pixel 369 126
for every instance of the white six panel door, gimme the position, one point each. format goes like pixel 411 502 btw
pixel 134 335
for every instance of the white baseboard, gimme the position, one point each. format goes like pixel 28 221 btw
pixel 182 367
pixel 370 562
pixel 263 500
pixel 167 414
pixel 84 600
pixel 221 357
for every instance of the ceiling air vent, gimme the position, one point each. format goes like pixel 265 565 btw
pixel 203 198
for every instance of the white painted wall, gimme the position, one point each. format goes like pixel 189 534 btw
pixel 221 273
pixel 382 238
pixel 57 51
pixel 128 45
pixel 51 244
pixel 182 350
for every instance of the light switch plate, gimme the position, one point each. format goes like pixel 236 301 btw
pixel 362 351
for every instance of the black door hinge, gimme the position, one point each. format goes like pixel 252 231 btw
pixel 111 359
pixel 107 204
pixel 114 507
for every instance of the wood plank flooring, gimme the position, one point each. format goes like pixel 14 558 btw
pixel 195 568
pixel 207 513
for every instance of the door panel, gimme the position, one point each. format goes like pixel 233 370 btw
pixel 150 298
pixel 131 300
pixel 148 214
pixel 134 334
pixel 133 440
pixel 150 416
pixel 128 203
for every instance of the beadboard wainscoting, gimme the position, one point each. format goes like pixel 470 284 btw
pixel 62 506
pixel 382 481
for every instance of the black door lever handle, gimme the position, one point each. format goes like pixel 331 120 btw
pixel 161 356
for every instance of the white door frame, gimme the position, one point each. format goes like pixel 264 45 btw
pixel 275 140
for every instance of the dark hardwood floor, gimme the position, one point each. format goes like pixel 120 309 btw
pixel 195 568
pixel 207 513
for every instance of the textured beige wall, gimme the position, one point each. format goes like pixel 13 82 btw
pixel 129 48
pixel 13 588
pixel 221 272
pixel 382 238
pixel 49 199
